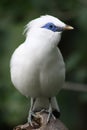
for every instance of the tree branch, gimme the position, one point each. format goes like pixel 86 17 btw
pixel 75 86
pixel 40 123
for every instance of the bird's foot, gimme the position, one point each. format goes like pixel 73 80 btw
pixel 31 115
pixel 49 117
pixel 50 114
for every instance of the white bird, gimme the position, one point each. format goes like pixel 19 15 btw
pixel 37 67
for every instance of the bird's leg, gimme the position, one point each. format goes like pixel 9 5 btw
pixel 49 111
pixel 31 113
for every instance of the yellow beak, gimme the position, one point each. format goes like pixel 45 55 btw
pixel 68 27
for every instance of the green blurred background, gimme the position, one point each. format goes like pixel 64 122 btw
pixel 14 15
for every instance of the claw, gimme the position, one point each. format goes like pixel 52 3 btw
pixel 31 113
pixel 48 118
pixel 49 111
pixel 30 121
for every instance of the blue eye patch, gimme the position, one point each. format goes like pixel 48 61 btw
pixel 52 27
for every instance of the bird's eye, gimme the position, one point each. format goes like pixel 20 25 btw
pixel 50 26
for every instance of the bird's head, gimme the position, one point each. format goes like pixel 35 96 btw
pixel 47 27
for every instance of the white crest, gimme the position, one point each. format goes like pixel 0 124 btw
pixel 42 20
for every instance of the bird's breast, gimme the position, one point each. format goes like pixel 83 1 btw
pixel 35 73
pixel 52 74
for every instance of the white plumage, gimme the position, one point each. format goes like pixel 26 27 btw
pixel 37 67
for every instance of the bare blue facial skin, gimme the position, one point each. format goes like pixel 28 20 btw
pixel 52 27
